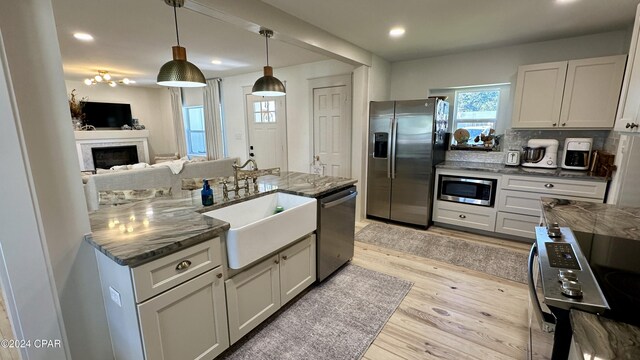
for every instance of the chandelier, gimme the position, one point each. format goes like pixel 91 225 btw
pixel 104 77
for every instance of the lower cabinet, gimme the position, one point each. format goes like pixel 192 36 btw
pixel 258 292
pixel 517 224
pixel 172 308
pixel 474 216
pixel 186 322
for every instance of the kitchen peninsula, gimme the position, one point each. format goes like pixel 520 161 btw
pixel 609 237
pixel 168 287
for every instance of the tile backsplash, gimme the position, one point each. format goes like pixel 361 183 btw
pixel 515 139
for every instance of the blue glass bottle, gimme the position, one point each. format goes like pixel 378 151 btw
pixel 207 194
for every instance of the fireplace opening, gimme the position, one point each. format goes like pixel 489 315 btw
pixel 106 157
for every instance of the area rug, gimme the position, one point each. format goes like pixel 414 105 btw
pixel 337 319
pixel 501 262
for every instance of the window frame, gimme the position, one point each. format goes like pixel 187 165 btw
pixel 186 120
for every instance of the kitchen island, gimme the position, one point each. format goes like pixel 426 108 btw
pixel 161 227
pixel 609 237
pixel 167 283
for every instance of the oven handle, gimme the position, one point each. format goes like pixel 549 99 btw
pixel 547 321
pixel 470 180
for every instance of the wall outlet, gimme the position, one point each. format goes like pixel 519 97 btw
pixel 115 296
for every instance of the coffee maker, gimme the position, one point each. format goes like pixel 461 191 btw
pixel 577 153
pixel 541 153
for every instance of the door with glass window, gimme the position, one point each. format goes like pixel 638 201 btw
pixel 267 130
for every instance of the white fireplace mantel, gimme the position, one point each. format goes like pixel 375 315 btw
pixel 85 140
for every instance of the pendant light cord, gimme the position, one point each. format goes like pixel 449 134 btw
pixel 266 39
pixel 175 17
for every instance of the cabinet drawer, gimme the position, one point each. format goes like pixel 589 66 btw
pixel 519 202
pixel 518 225
pixel 465 215
pixel 555 186
pixel 160 275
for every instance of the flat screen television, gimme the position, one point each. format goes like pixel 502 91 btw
pixel 107 115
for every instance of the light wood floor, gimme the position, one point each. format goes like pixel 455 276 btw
pixel 6 333
pixel 450 312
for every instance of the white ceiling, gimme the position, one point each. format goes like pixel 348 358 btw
pixel 133 38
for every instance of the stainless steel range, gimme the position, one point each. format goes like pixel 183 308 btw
pixel 559 280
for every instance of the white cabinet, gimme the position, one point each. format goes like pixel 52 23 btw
pixel 171 308
pixel 627 119
pixel 538 97
pixel 258 292
pixel 186 322
pixel 473 216
pixel 571 94
pixel 518 200
pixel 297 269
pixel 252 296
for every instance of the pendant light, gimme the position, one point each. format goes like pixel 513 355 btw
pixel 268 85
pixel 179 72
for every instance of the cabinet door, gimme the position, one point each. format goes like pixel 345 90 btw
pixel 186 322
pixel 630 97
pixel 538 96
pixel 629 193
pixel 252 296
pixel 592 91
pixel 297 268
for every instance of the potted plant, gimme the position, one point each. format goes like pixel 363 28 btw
pixel 75 106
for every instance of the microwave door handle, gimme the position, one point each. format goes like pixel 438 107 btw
pixel 547 321
pixel 394 140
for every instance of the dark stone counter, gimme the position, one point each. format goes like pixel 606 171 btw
pixel 136 233
pixel 518 170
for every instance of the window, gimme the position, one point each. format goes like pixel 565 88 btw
pixel 194 130
pixel 476 109
pixel 264 111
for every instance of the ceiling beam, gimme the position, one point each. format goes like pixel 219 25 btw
pixel 251 15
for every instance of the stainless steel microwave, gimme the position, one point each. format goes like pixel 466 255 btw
pixel 467 190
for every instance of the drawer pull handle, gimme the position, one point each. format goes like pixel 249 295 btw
pixel 183 265
pixel 277 261
pixel 462 216
pixel 284 257
pixel 548 186
pixel 219 275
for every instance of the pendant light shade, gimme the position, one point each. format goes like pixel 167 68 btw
pixel 179 72
pixel 268 85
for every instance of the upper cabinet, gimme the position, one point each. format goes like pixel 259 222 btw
pixel 627 119
pixel 575 94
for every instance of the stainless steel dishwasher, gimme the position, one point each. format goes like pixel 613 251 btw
pixel 335 233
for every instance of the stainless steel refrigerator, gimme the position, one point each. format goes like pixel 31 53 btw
pixel 406 140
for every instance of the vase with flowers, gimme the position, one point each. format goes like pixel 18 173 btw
pixel 76 106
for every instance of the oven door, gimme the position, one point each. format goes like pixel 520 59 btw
pixel 474 191
pixel 542 322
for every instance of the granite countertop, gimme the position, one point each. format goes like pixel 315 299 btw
pixel 500 168
pixel 163 226
pixel 593 218
pixel 601 338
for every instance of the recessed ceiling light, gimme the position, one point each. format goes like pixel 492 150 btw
pixel 396 32
pixel 216 62
pixel 83 36
pixel 565 1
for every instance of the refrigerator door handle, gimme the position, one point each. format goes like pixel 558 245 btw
pixel 390 148
pixel 394 135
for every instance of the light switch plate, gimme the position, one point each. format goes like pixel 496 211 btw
pixel 115 296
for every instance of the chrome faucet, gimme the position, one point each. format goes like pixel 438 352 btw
pixel 236 187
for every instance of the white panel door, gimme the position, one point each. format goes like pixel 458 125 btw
pixel 186 322
pixel 252 296
pixel 592 91
pixel 267 130
pixel 538 96
pixel 332 129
